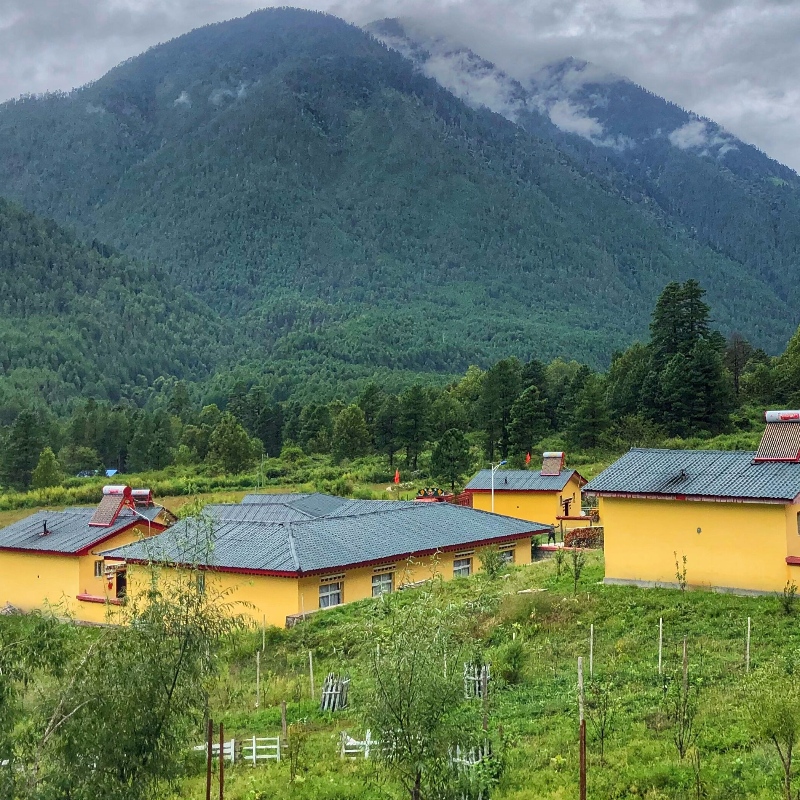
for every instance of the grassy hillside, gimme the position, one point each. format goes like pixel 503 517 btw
pixel 351 214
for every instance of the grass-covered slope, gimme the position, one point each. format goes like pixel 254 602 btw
pixel 79 320
pixel 351 214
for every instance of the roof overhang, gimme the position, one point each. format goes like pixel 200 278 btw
pixel 697 498
pixel 339 567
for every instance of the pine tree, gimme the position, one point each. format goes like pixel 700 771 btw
pixel 386 428
pixel 350 434
pixel 451 458
pixel 47 472
pixel 230 447
pixel 529 422
pixel 24 444
pixel 413 424
pixel 591 420
pixel 501 387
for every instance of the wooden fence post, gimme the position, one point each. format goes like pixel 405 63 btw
pixel 660 642
pixel 221 761
pixel 258 677
pixel 311 672
pixel 582 733
pixel 591 651
pixel 747 649
pixel 283 718
pixel 209 755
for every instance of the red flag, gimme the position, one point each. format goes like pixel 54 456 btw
pixel 528 458
pixel 397 476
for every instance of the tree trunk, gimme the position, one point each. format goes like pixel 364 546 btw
pixel 416 792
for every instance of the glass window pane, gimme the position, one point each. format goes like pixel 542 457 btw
pixel 382 584
pixel 462 567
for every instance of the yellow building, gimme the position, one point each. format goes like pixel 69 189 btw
pixel 734 516
pixel 52 558
pixel 279 556
pixel 546 495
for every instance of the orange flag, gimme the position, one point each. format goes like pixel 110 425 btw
pixel 528 458
pixel 397 476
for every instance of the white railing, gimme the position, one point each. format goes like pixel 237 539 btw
pixel 352 748
pixel 228 750
pixel 261 749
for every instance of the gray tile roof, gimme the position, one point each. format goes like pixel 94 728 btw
pixel 311 505
pixel 699 473
pixel 69 530
pixel 529 480
pixel 377 532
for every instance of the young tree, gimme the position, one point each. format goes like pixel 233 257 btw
pixel 590 420
pixel 451 459
pixel 350 434
pixel 772 703
pixel 414 702
pixel 47 472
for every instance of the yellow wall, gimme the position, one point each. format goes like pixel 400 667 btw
pixel 739 546
pixel 262 597
pixel 33 580
pixel 534 506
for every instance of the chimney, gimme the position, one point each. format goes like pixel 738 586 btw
pixel 45 529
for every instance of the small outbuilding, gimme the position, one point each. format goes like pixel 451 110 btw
pixel 280 556
pixel 52 558
pixel 547 495
pixel 734 516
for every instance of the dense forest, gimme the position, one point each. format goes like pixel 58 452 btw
pixel 687 381
pixel 350 215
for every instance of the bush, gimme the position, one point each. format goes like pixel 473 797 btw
pixel 584 537
pixel 510 661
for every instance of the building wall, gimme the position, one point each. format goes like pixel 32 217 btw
pixel 264 597
pixel 739 545
pixel 32 581
pixel 534 506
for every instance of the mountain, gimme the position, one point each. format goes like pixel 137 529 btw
pixel 81 320
pixel 348 216
pixel 725 193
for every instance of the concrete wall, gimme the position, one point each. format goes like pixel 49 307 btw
pixel 726 544
pixel 534 506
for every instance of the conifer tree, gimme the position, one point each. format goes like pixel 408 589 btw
pixel 529 422
pixel 451 459
pixel 501 387
pixel 413 424
pixel 47 472
pixel 350 434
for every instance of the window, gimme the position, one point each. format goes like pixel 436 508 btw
pixel 462 567
pixel 99 569
pixel 382 584
pixel 330 594
pixel 507 554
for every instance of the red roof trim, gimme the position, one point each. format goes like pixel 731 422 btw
pixel 793 561
pixel 85 551
pixel 692 497
pixel 371 562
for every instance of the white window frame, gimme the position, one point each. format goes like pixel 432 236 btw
pixel 382 583
pixel 462 567
pixel 330 590
pixel 99 568
pixel 508 554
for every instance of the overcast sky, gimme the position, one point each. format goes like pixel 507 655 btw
pixel 736 62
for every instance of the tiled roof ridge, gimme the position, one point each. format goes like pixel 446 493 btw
pixel 689 450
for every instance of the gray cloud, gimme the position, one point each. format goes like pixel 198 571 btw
pixel 735 61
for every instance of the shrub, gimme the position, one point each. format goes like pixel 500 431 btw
pixel 584 537
pixel 510 661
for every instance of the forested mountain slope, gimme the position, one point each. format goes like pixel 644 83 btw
pixel 724 192
pixel 350 214
pixel 79 320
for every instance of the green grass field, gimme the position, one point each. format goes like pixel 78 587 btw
pixel 537 708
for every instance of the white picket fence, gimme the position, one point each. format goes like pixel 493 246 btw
pixel 261 749
pixel 228 750
pixel 352 748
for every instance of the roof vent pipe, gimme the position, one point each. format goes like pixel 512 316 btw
pixel 782 416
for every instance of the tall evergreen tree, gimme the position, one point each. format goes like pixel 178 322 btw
pixel 451 459
pixel 591 419
pixel 413 425
pixel 47 472
pixel 24 444
pixel 350 434
pixel 529 421
pixel 387 422
pixel 501 387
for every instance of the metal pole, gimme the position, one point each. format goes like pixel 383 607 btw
pixel 591 652
pixel 221 762
pixel 492 490
pixel 747 650
pixel 263 633
pixel 485 696
pixel 283 718
pixel 660 641
pixel 209 756
pixel 311 672
pixel 685 668
pixel 258 677
pixel 580 688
